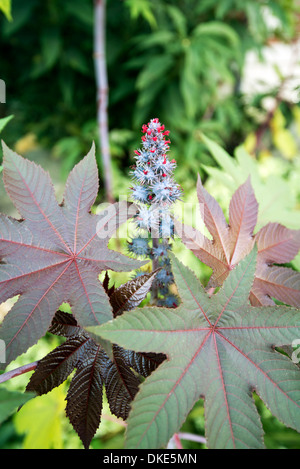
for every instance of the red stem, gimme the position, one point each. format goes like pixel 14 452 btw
pixel 17 372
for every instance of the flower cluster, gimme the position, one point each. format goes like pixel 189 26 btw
pixel 154 191
pixel 153 172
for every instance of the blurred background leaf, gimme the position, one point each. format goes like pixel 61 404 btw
pixel 41 421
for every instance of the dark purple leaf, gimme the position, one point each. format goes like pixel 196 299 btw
pixel 84 398
pixel 93 366
pixel 55 367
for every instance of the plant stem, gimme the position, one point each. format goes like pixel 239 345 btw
pixel 155 266
pixel 177 441
pixel 102 94
pixel 17 372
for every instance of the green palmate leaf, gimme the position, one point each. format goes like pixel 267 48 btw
pixel 41 421
pixel 277 202
pixel 142 8
pixel 219 348
pixel 217 29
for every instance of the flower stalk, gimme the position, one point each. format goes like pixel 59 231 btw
pixel 154 192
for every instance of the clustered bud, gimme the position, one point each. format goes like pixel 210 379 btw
pixel 153 172
pixel 154 191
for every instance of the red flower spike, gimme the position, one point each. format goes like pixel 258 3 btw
pixel 137 152
pixel 173 161
pixel 154 139
pixel 144 128
pixel 144 138
pixel 150 197
pixel 166 132
pixel 152 151
pixel 164 175
pixel 145 172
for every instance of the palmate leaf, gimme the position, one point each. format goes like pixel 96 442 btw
pixel 277 202
pixel 94 368
pixel 56 252
pixel 219 348
pixel 232 241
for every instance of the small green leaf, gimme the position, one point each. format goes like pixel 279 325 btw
pixel 142 8
pixel 218 348
pixel 218 29
pixel 220 155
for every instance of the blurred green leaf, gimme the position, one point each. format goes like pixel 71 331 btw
pixel 143 9
pixel 219 29
pixel 10 401
pixel 21 14
pixel 83 11
pixel 41 420
pixel 4 121
pixel 155 68
pixel 179 20
pixel 277 203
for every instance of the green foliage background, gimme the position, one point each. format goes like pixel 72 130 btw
pixel 181 61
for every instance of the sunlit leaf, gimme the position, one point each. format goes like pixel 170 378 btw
pixel 5 6
pixel 10 401
pixel 56 252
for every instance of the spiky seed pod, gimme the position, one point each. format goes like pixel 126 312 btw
pixel 154 192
